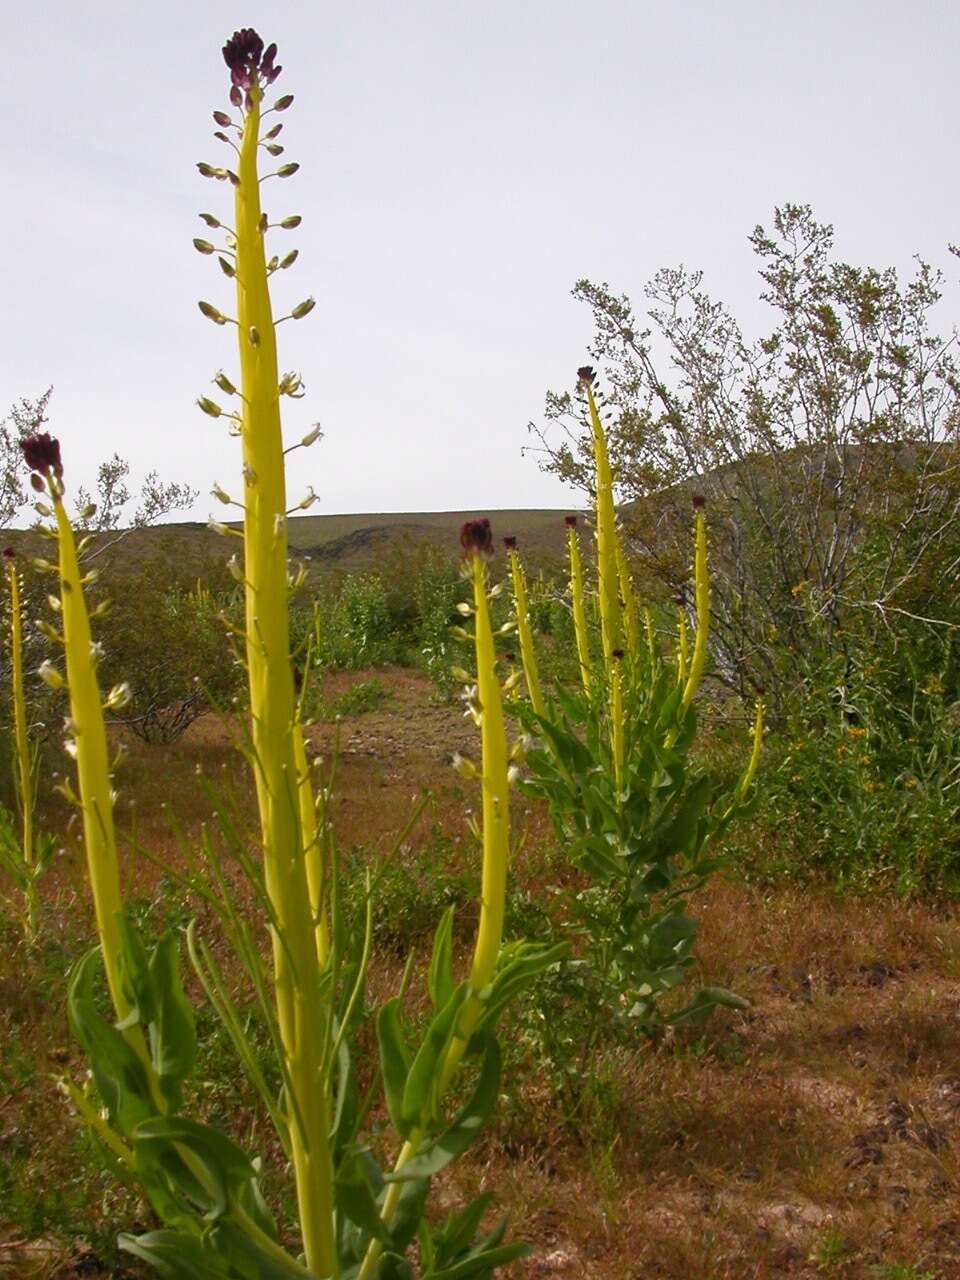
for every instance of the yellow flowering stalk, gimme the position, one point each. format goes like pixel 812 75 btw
pixel 87 739
pixel 628 599
pixel 608 583
pixel 701 577
pixel 682 646
pixel 21 853
pixel 281 777
pixel 528 653
pixel 485 704
pixel 578 599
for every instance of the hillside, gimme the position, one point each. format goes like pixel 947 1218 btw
pixel 342 543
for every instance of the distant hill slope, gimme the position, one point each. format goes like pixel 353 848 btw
pixel 344 543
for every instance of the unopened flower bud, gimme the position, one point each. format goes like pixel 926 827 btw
pixel 209 407
pixel 290 259
pixel 312 436
pixel 210 220
pixel 227 267
pixel 223 119
pixel 221 495
pixel 303 308
pixel 203 246
pixel 287 170
pixel 211 312
pixel 463 676
pixel 274 148
pixel 294 220
pixel 281 104
pixel 224 383
pixel 272 133
pixel 89 511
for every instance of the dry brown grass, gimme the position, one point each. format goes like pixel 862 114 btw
pixel 815 1134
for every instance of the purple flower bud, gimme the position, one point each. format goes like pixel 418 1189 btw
pixel 570 521
pixel 699 502
pixel 42 454
pixel 9 553
pixel 476 536
pixel 510 543
pixel 586 375
pixel 222 119
pixel 616 653
pixel 249 65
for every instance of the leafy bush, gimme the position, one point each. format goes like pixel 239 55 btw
pixel 864 780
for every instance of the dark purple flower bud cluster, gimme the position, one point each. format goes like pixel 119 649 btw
pixel 510 543
pixel 570 521
pixel 586 375
pixel 476 536
pixel 249 65
pixel 42 454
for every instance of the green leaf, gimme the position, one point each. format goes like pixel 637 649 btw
pixel 355 1199
pixel 120 1075
pixel 481 1264
pixel 175 1255
pixel 218 1169
pixel 173 1035
pixel 465 1126
pixel 135 975
pixel 409 1212
pixel 394 1267
pixel 528 961
pixel 419 1092
pixel 394 1062
pixel 704 1003
pixel 460 1228
pixel 345 1102
pixel 440 977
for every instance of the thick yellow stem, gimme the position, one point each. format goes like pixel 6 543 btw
pixel 301 1016
pixel 702 589
pixel 25 780
pixel 611 623
pixel 528 653
pixel 577 594
pixel 93 765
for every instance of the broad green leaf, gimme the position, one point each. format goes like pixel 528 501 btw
pixel 173 1035
pixel 135 975
pixel 394 1062
pixel 704 1003
pixel 120 1075
pixel 465 1126
pixel 440 977
pixel 355 1199
pixel 175 1255
pixel 419 1092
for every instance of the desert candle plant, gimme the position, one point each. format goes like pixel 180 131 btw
pixel 86 730
pixel 528 653
pixel 578 602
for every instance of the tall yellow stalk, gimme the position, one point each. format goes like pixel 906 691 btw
pixel 608 581
pixel 528 653
pixel 578 600
pixel 701 576
pixel 21 740
pixel 280 777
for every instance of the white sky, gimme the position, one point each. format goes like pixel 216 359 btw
pixel 462 165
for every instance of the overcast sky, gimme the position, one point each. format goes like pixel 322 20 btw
pixel 462 165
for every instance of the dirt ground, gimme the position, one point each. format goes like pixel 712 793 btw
pixel 816 1133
